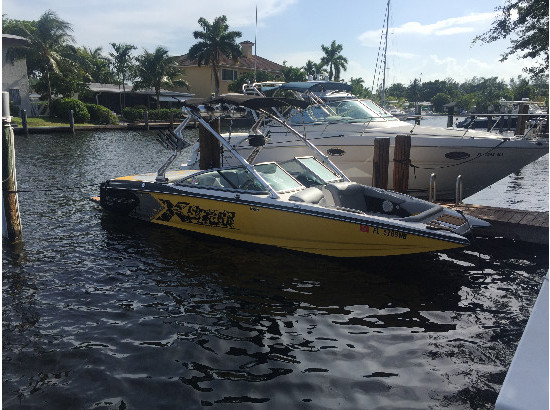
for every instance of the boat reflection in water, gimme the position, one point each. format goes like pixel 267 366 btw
pixel 303 203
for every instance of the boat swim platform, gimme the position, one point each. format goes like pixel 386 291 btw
pixel 517 224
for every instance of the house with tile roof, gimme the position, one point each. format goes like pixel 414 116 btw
pixel 201 79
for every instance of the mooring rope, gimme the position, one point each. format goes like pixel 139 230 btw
pixel 51 189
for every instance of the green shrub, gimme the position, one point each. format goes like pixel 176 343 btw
pixel 61 108
pixel 133 114
pixel 163 114
pixel 137 114
pixel 101 115
pixel 15 110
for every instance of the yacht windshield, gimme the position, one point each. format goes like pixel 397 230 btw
pixel 341 111
pixel 380 112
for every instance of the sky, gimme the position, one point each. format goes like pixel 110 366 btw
pixel 427 39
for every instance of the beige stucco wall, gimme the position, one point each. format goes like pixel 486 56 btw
pixel 201 80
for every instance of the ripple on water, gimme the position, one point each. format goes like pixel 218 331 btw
pixel 102 312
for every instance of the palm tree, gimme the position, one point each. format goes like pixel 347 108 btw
pixel 156 70
pixel 357 86
pixel 48 40
pixel 310 68
pixel 122 64
pixel 334 60
pixel 95 64
pixel 215 40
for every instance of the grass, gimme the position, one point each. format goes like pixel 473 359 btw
pixel 43 122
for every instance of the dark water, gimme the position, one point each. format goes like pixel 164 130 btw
pixel 100 312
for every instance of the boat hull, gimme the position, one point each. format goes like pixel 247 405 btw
pixel 293 227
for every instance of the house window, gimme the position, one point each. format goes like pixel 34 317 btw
pixel 229 75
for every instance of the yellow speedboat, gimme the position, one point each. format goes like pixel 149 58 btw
pixel 304 204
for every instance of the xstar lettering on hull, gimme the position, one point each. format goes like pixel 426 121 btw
pixel 194 214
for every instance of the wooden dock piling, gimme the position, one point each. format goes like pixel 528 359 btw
pixel 24 122
pixel 71 121
pixel 209 146
pixel 401 163
pixel 10 199
pixel 450 114
pixel 523 110
pixel 380 162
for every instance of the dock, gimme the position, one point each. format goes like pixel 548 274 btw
pixel 517 224
pixel 237 121
pixel 526 382
pixel 107 127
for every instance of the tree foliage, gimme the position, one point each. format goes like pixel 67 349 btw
pixel 122 66
pixel 49 45
pixel 248 77
pixel 215 40
pixel 478 92
pixel 291 73
pixel 335 61
pixel 156 70
pixel 95 64
pixel 525 22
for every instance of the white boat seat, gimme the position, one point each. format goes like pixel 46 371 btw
pixel 310 195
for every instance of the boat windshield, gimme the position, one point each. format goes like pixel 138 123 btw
pixel 309 172
pixel 341 111
pixel 231 178
pixel 277 177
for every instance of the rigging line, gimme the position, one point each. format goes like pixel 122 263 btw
pixel 377 68
pixel 51 189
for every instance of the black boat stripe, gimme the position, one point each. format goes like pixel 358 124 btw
pixel 143 187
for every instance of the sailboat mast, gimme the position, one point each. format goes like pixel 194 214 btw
pixel 255 45
pixel 385 50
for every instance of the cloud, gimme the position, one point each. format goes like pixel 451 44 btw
pixel 169 23
pixel 406 56
pixel 447 27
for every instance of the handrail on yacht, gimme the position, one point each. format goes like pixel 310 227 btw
pixel 458 190
pixel 432 190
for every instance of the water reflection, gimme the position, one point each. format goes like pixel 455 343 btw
pixel 104 312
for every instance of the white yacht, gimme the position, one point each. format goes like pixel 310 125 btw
pixel 344 127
